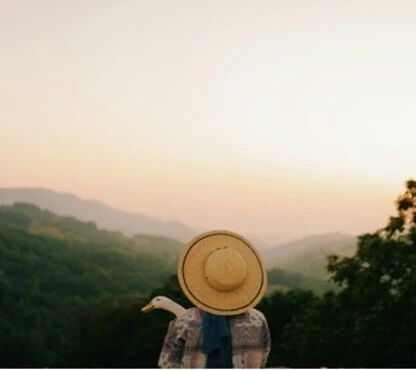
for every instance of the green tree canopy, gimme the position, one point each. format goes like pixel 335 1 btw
pixel 379 285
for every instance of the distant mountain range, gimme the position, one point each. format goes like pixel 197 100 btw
pixel 154 256
pixel 104 216
pixel 306 255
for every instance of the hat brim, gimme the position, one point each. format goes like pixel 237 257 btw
pixel 191 274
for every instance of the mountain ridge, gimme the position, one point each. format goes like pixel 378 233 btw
pixel 308 254
pixel 38 223
pixel 68 204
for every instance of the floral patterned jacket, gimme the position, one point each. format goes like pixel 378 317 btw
pixel 250 341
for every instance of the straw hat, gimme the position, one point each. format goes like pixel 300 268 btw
pixel 222 273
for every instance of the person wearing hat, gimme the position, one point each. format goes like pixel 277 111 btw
pixel 223 275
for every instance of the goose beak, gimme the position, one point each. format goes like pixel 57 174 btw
pixel 149 307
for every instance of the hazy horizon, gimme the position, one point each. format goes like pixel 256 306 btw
pixel 276 119
pixel 45 192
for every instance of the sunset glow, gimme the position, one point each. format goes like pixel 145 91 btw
pixel 276 119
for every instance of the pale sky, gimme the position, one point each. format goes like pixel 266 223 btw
pixel 275 119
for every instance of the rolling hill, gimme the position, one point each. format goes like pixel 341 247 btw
pixel 36 221
pixel 65 229
pixel 54 268
pixel 91 210
pixel 308 255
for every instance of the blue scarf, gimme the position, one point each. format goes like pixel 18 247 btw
pixel 217 341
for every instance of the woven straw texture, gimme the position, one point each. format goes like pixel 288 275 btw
pixel 222 273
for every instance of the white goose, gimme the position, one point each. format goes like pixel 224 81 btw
pixel 164 303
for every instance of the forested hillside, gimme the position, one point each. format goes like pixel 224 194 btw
pixel 308 255
pixel 51 269
pixel 368 323
pixel 59 276
pixel 283 280
pixel 104 215
pixel 71 297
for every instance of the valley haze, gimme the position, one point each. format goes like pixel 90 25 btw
pixel 106 217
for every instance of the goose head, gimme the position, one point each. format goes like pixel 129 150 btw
pixel 164 303
pixel 159 302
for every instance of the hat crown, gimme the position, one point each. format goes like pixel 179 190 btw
pixel 225 269
pixel 222 273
